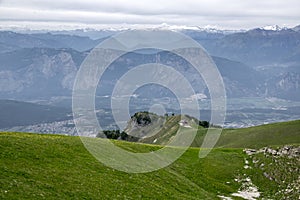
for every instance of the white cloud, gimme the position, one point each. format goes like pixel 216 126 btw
pixel 220 13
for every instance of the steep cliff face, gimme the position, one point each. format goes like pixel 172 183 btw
pixel 285 86
pixel 37 73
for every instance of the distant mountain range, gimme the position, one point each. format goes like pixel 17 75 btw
pixel 10 41
pixel 40 73
pixel 41 67
pixel 258 47
pixel 257 62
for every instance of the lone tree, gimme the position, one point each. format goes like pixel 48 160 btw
pixel 204 124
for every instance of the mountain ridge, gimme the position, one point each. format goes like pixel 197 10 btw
pixel 162 133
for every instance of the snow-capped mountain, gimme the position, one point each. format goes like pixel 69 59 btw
pixel 117 28
pixel 273 28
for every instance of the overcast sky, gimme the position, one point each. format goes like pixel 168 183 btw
pixel 225 14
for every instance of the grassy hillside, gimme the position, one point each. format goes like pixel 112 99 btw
pixel 35 166
pixel 259 136
pixel 59 167
pixel 256 137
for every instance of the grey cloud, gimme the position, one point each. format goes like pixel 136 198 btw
pixel 179 7
pixel 188 12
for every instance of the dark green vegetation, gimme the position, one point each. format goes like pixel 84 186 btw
pixel 204 124
pixel 35 166
pixel 116 134
pixel 142 118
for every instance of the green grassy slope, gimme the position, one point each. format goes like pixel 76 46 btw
pixel 256 137
pixel 59 167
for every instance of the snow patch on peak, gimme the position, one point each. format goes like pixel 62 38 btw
pixel 177 27
pixel 273 28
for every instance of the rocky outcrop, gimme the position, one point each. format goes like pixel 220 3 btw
pixel 279 165
pixel 289 151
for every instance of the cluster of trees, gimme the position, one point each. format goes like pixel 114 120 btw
pixel 206 124
pixel 116 135
pixel 142 118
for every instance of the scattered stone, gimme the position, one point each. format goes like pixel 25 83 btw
pixel 250 151
pixel 268 176
pixel 262 165
pixel 248 190
pixel 280 165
